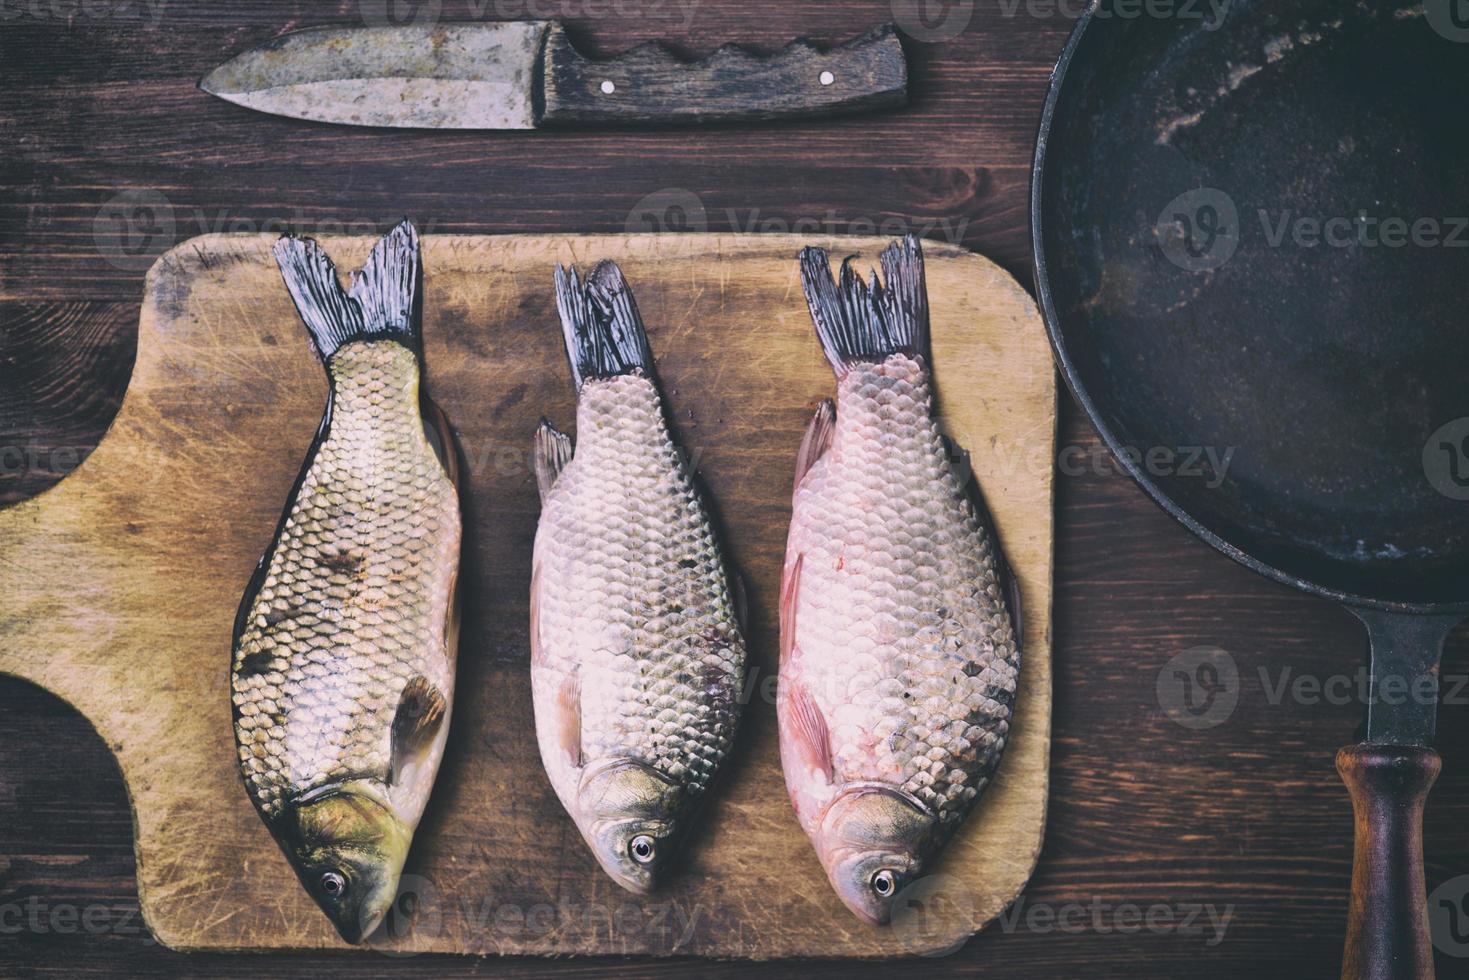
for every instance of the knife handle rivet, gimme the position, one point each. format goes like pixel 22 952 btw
pixel 827 78
pixel 608 88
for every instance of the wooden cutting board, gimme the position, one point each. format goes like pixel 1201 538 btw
pixel 118 590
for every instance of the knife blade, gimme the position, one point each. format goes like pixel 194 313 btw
pixel 528 75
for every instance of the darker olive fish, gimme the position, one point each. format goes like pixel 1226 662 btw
pixel 343 667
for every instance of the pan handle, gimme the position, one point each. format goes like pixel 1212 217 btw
pixel 1387 921
pixel 1389 776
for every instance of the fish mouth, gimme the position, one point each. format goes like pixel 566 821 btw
pixel 373 923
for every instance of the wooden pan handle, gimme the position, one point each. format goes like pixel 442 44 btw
pixel 1387 922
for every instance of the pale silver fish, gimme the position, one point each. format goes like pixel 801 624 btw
pixel 637 660
pixel 343 666
pixel 899 618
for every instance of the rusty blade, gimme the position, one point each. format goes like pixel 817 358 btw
pixel 446 76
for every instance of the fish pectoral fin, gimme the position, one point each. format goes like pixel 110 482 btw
pixel 553 451
pixel 808 730
pixel 789 595
pixel 568 719
pixel 421 709
pixel 819 433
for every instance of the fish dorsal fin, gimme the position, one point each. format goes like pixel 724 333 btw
pixel 789 592
pixel 420 714
pixel 552 453
pixel 819 432
pixel 808 730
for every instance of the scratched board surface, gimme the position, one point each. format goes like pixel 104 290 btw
pixel 121 585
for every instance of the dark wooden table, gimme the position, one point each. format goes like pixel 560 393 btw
pixel 1158 832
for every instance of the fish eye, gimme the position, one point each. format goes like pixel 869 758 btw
pixel 333 884
pixel 641 848
pixel 884 883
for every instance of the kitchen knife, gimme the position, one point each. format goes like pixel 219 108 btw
pixel 528 75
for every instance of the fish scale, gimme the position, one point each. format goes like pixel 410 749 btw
pixel 356 593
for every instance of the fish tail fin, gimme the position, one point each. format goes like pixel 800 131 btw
pixel 867 321
pixel 383 302
pixel 599 318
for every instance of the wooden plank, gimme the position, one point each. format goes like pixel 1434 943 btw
pixel 121 583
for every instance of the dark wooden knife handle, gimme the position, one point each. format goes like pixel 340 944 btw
pixel 1387 923
pixel 651 84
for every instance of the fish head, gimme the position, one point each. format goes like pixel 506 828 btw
pixel 873 844
pixel 630 817
pixel 349 849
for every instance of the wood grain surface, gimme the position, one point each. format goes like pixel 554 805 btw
pixel 99 116
pixel 121 585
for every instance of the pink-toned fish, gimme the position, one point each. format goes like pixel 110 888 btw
pixel 899 617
